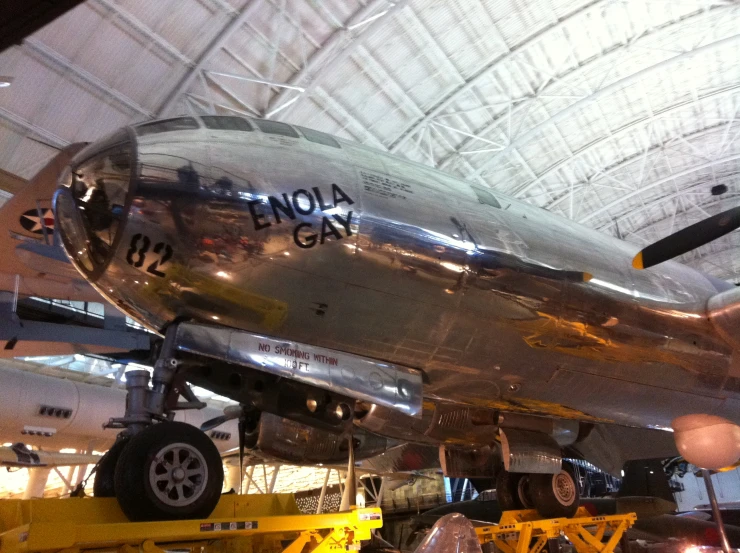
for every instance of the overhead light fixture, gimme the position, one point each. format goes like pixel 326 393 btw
pixel 5 81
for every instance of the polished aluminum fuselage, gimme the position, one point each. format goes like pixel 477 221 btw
pixel 501 304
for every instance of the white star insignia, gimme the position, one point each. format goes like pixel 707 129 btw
pixel 48 218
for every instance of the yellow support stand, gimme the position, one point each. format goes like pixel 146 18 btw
pixel 522 532
pixel 240 524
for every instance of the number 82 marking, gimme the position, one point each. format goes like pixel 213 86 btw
pixel 136 255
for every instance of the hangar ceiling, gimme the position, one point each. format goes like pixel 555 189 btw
pixel 619 114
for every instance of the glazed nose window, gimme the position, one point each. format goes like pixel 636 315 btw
pixel 72 230
pixel 99 187
pixel 97 184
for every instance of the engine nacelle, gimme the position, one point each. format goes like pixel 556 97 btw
pixel 452 424
pixel 530 452
pixel 707 441
pixel 724 312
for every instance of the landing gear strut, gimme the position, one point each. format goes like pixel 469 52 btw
pixel 553 495
pixel 160 469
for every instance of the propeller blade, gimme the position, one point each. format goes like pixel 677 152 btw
pixel 214 422
pixel 241 429
pixel 688 239
pixel 349 498
pixel 231 412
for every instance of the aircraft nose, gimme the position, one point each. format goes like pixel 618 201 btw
pixel 91 202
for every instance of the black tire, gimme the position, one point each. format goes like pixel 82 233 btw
pixel 103 485
pixel 512 491
pixel 523 494
pixel 555 495
pixel 148 490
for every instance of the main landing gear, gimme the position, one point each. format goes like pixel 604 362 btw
pixel 159 469
pixel 553 495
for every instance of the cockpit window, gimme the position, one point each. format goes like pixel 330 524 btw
pixel 319 137
pixel 167 125
pixel 226 123
pixel 485 197
pixel 276 127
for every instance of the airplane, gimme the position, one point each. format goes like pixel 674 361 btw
pixel 340 288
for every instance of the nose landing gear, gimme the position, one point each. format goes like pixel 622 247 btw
pixel 160 469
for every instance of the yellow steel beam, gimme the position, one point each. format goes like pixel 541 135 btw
pixel 300 542
pixel 516 530
pixel 75 525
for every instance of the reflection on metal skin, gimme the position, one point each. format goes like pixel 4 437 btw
pixel 292 442
pixel 453 533
pixel 365 379
pixel 463 425
pixel 391 422
pixel 445 423
pixel 502 305
pixel 724 312
pixel 530 452
pixel 402 458
pixel 469 462
pixel 563 431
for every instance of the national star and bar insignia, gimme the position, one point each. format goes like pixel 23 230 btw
pixel 31 221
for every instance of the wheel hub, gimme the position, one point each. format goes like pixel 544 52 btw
pixel 523 492
pixel 178 475
pixel 564 488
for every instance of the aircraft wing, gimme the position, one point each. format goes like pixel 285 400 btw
pixel 33 263
pixel 19 455
pixel 31 260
